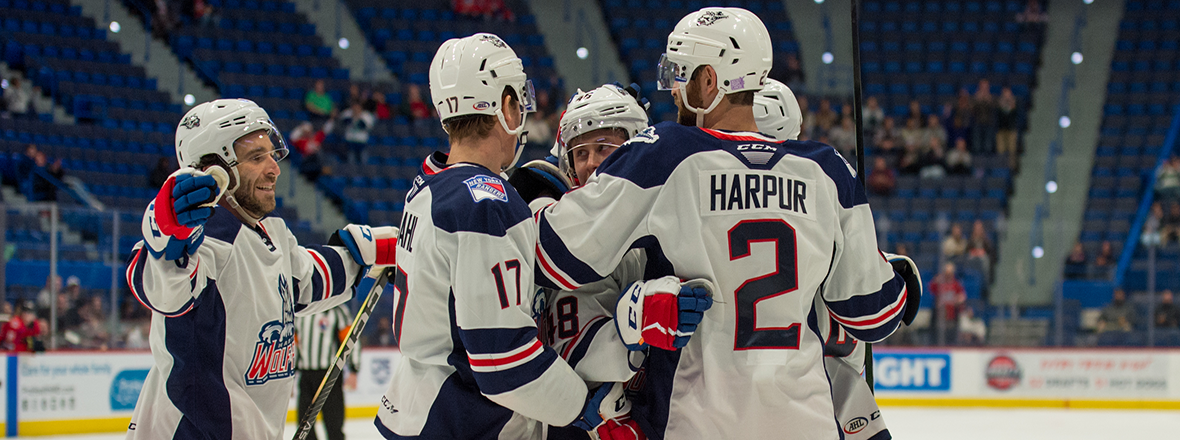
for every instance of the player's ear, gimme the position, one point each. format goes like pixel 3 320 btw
pixel 708 85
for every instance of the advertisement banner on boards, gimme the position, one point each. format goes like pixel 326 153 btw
pixel 1073 373
pixel 903 371
pixel 79 386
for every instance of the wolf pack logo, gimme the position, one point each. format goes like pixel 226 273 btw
pixel 647 136
pixel 486 188
pixel 381 371
pixel 494 40
pixel 191 122
pixel 711 17
pixel 274 353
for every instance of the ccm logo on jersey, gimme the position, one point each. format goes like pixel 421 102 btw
pixel 486 188
pixel 745 190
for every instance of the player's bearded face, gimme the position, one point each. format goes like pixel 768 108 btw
pixel 258 172
pixel 684 116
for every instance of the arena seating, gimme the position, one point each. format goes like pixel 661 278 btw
pixel 641 38
pixel 1142 95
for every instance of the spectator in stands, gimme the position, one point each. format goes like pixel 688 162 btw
pixel 319 104
pixel 958 160
pixel 933 161
pixel 1167 181
pixel 1075 264
pixel 45 295
pixel 843 137
pixel 202 13
pixel 160 173
pixel 934 130
pixel 1105 261
pixel 383 337
pixel 1170 224
pixel 357 124
pixel 882 180
pixel 540 133
pixel 26 164
pixel 73 289
pixel 949 296
pixel 911 135
pixel 1167 315
pixel 915 113
pixel 873 115
pixel 164 20
pixel 93 329
pixel 807 129
pixel 17 99
pixel 356 95
pixel 1032 14
pixel 791 72
pixel 23 331
pixel 954 244
pixel 1151 226
pixel 1007 121
pixel 980 248
pixel 983 118
pixel 308 142
pixel 960 116
pixel 1118 315
pixel 911 160
pixel 43 187
pixel 825 118
pixel 972 329
pixel 417 110
pixel 887 131
pixel 378 107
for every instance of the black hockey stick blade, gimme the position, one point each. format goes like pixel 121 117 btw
pixel 354 333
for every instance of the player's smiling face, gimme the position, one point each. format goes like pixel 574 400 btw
pixel 590 149
pixel 258 170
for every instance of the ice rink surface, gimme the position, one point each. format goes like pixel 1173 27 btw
pixel 940 424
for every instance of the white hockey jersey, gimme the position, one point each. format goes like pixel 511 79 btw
pixel 472 365
pixel 772 224
pixel 223 328
pixel 844 360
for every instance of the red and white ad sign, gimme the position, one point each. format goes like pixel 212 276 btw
pixel 1074 373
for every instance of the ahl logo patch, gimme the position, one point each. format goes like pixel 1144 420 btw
pixel 494 40
pixel 191 122
pixel 486 188
pixel 711 17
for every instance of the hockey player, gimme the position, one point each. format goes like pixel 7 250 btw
pixel 777 114
pixel 472 364
pixel 224 282
pixel 771 223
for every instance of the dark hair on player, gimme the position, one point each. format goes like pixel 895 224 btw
pixel 739 98
pixel 476 126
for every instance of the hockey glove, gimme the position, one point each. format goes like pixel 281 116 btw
pixel 539 178
pixel 368 246
pixel 603 403
pixel 905 267
pixel 662 313
pixel 181 208
pixel 622 428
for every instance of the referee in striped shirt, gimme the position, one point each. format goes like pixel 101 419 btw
pixel 319 337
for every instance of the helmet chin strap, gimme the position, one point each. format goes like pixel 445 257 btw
pixel 519 133
pixel 699 112
pixel 233 202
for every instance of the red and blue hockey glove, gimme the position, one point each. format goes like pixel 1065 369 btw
pixel 662 313
pixel 369 247
pixel 181 208
pixel 905 267
pixel 622 428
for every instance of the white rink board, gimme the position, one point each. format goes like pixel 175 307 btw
pixel 71 386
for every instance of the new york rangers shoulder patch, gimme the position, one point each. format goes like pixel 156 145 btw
pixel 486 188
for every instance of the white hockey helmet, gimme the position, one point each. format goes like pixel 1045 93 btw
pixel 608 106
pixel 776 111
pixel 732 40
pixel 211 128
pixel 468 76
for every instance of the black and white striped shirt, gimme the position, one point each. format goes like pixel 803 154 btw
pixel 319 337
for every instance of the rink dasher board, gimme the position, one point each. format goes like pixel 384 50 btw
pixel 104 386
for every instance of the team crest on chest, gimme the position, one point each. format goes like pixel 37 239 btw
pixel 274 352
pixel 486 188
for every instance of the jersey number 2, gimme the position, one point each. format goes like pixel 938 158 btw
pixel 784 279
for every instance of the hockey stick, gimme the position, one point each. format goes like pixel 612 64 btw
pixel 860 145
pixel 354 333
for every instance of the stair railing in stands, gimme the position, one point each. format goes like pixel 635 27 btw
pixel 1146 200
